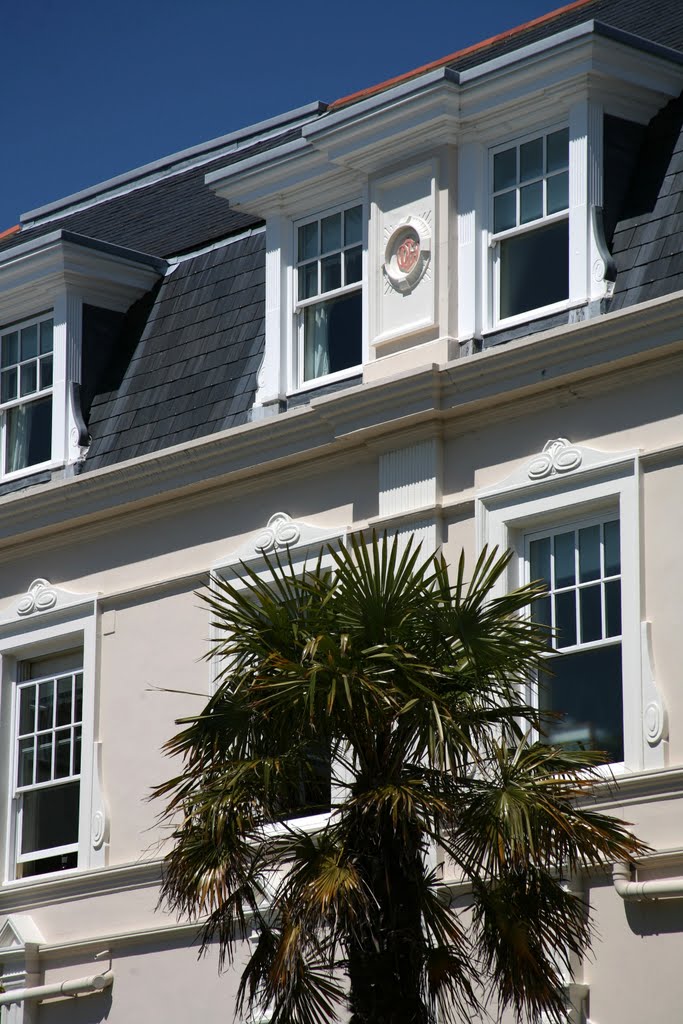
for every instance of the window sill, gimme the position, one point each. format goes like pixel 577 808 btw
pixel 310 823
pixel 328 378
pixel 49 876
pixel 40 467
pixel 533 314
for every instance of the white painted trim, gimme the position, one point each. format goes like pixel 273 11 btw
pixel 401 122
pixel 593 483
pixel 627 344
pixel 471 238
pixel 295 351
pixel 33 275
pixel 69 620
pixel 175 261
pixel 29 894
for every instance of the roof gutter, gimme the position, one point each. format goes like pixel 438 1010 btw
pixel 653 889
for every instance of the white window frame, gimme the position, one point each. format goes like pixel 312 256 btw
pixel 25 400
pixel 477 306
pixel 19 792
pixel 303 543
pixel 495 238
pixel 550 531
pixel 606 486
pixel 296 381
pixel 68 623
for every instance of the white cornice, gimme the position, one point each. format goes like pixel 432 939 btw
pixel 534 84
pixel 602 349
pixel 29 894
pixel 33 273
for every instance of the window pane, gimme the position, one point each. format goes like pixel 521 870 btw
pixel 331 233
pixel 9 384
pixel 27 710
pixel 539 560
pixel 45 705
pixel 50 818
pixel 505 169
pixel 46 336
pixel 308 241
pixel 565 573
pixel 505 211
pixel 44 757
pixel 308 280
pixel 64 687
pixel 585 688
pixel 589 553
pixel 540 611
pixel 29 342
pixel 557 150
pixel 10 348
pixel 591 613
pixel 28 435
pixel 558 192
pixel 534 269
pixel 332 335
pixel 44 865
pixel 353 265
pixel 62 753
pixel 330 270
pixel 45 372
pixel 353 225
pixel 531 160
pixel 612 552
pixel 531 202
pixel 29 378
pixel 565 618
pixel 613 608
pixel 77 750
pixel 26 757
pixel 78 716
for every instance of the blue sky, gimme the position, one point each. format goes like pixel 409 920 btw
pixel 94 88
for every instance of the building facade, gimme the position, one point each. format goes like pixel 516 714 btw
pixel 450 306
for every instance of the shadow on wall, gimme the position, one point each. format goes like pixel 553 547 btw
pixel 659 917
pixel 92 1009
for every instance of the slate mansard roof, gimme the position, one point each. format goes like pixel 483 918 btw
pixel 193 370
pixel 183 363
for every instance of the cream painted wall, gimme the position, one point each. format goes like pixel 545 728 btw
pixel 152 983
pixel 156 644
pixel 153 634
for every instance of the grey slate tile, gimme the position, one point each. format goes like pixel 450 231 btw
pixel 194 371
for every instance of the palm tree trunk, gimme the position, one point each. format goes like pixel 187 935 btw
pixel 385 961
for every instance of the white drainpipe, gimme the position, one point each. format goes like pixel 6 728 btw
pixel 653 889
pixel 76 987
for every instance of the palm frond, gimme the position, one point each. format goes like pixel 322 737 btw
pixel 399 690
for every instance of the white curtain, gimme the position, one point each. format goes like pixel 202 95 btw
pixel 316 341
pixel 18 435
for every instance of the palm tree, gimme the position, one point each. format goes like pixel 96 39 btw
pixel 397 696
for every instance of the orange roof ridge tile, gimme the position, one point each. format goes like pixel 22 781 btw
pixel 371 90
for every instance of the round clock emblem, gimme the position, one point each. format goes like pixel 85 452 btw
pixel 407 253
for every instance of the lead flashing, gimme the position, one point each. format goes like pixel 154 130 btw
pixel 252 163
pixel 201 152
pixel 85 242
pixel 389 96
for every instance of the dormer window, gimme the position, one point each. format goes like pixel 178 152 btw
pixel 329 276
pixel 26 374
pixel 530 225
